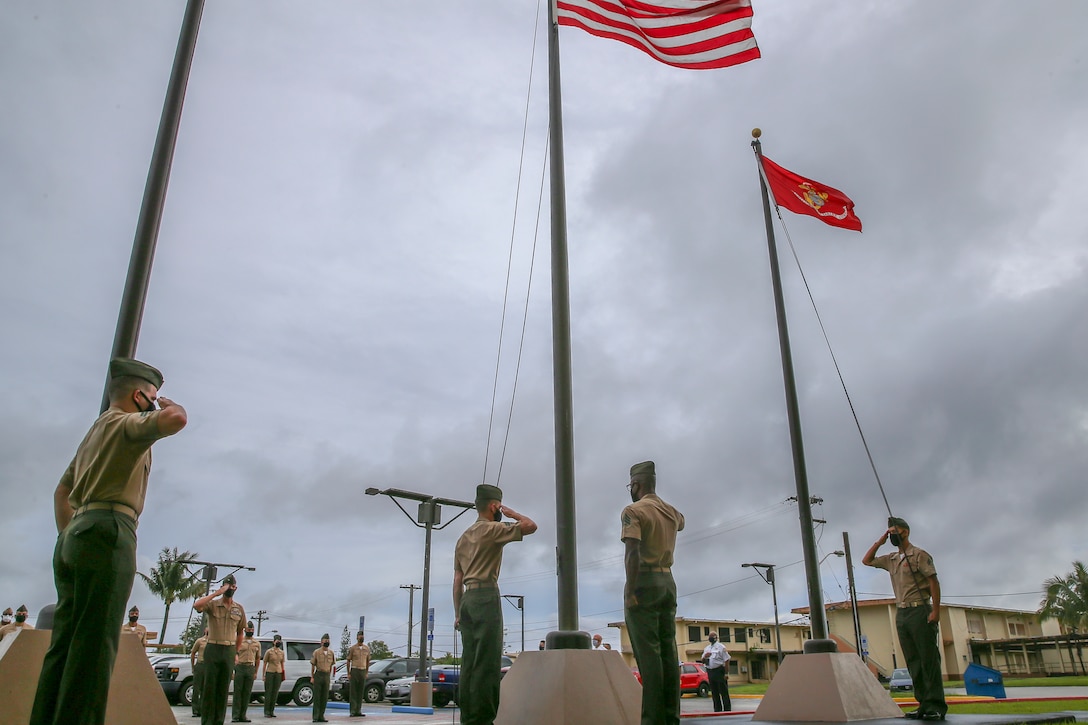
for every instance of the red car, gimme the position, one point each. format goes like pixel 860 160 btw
pixel 693 679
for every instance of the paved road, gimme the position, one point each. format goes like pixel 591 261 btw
pixel 689 705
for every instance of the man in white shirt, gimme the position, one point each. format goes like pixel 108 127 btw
pixel 715 657
pixel 597 643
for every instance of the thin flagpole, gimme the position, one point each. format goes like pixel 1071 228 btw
pixel 131 314
pixel 820 642
pixel 566 543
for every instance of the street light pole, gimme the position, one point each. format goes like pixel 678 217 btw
pixel 520 605
pixel 427 517
pixel 769 578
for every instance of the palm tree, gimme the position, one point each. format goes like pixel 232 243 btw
pixel 171 582
pixel 1066 600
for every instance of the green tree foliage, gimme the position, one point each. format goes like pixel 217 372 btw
pixel 447 659
pixel 1065 598
pixel 171 582
pixel 379 650
pixel 345 643
pixel 192 633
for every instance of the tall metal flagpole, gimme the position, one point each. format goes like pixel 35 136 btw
pixel 131 315
pixel 566 544
pixel 819 642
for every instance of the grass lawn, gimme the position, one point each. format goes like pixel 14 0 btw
pixel 1034 682
pixel 997 707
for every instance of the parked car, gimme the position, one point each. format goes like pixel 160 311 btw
pixel 444 684
pixel 176 675
pixel 900 680
pixel 693 679
pixel 379 673
pixel 338 688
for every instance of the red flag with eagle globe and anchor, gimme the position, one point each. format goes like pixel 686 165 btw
pixel 805 196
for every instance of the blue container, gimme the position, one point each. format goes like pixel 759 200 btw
pixel 984 681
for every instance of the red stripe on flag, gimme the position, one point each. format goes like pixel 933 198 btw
pixel 718 34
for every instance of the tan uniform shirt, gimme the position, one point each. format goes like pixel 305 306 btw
pixel 323 659
pixel 137 629
pixel 273 660
pixel 198 649
pixel 14 627
pixel 112 462
pixel 478 555
pixel 908 587
pixel 653 523
pixel 225 621
pixel 359 656
pixel 250 652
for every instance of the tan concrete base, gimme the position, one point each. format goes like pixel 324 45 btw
pixel 421 694
pixel 136 697
pixel 825 687
pixel 569 686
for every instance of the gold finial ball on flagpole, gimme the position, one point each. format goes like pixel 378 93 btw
pixel 756 133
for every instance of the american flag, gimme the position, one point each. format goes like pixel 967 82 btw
pixel 695 34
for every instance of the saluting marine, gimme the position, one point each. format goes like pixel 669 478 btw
pixel 96 504
pixel 226 623
pixel 476 564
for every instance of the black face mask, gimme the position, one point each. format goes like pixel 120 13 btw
pixel 324 644
pixel 132 620
pixel 498 515
pixel 279 644
pixel 249 632
pixel 894 538
pixel 20 618
pixel 713 640
pixel 229 594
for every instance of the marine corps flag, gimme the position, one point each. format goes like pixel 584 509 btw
pixel 805 196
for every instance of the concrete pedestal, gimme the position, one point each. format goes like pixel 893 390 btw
pixel 136 697
pixel 570 686
pixel 825 687
pixel 421 694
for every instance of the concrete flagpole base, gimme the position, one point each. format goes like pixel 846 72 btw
pixel 421 694
pixel 136 697
pixel 825 687
pixel 570 686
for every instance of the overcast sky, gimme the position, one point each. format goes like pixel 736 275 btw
pixel 329 282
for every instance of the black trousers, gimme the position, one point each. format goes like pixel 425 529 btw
pixel 94 563
pixel 321 694
pixel 652 628
pixel 481 664
pixel 218 664
pixel 198 687
pixel 918 640
pixel 243 690
pixel 356 686
pixel 719 689
pixel 272 683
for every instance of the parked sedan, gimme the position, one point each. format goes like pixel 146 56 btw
pixel 901 680
pixel 693 679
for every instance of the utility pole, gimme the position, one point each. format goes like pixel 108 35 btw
pixel 769 578
pixel 260 617
pixel 411 597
